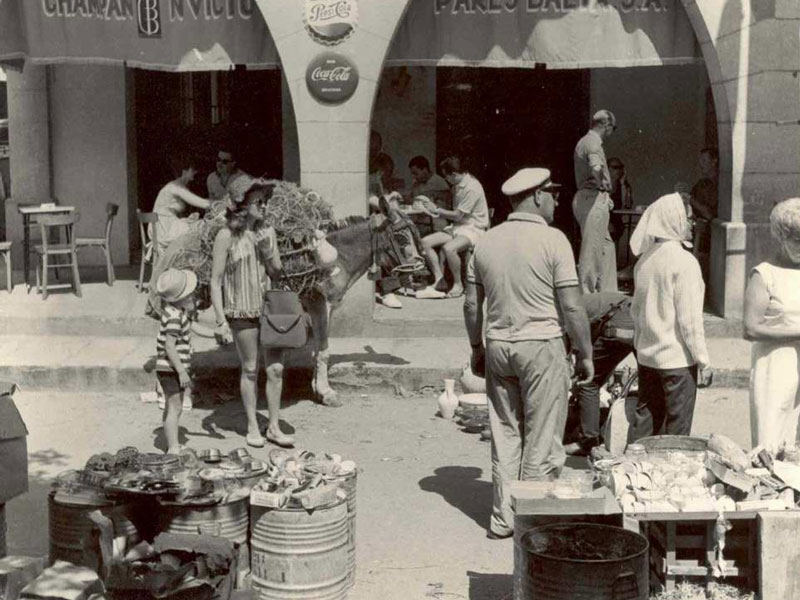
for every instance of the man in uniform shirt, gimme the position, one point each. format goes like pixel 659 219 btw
pixel 525 272
pixel 597 262
pixel 225 173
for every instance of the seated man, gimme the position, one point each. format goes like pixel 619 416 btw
pixel 427 184
pixel 225 173
pixel 468 221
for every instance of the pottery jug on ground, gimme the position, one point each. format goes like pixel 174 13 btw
pixel 448 401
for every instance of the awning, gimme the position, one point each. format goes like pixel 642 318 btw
pixel 561 34
pixel 173 35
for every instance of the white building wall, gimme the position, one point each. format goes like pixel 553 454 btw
pixel 89 151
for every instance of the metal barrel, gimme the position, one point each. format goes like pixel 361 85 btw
pixel 547 577
pixel 3 547
pixel 300 554
pixel 229 520
pixel 69 526
pixel 348 484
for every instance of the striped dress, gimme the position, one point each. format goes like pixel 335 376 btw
pixel 174 322
pixel 245 280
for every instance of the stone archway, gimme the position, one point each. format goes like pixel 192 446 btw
pixel 333 140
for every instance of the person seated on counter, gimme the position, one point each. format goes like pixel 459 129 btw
pixel 467 223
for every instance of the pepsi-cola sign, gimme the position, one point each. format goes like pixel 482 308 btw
pixel 330 22
pixel 331 78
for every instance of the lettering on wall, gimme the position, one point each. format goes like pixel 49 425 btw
pixel 331 78
pixel 149 14
pixel 494 7
pixel 330 22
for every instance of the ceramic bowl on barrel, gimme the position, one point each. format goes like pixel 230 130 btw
pixel 211 455
pixel 239 454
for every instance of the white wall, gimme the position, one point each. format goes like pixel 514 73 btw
pixel 89 154
pixel 660 124
pixel 406 118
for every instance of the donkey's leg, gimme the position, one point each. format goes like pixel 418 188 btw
pixel 320 316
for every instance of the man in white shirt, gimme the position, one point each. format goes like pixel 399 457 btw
pixel 524 271
pixel 225 173
pixel 469 220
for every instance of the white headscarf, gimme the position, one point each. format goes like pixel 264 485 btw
pixel 666 219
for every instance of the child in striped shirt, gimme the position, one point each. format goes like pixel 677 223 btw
pixel 173 346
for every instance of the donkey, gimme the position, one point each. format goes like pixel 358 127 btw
pixel 384 243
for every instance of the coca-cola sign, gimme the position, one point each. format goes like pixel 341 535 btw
pixel 331 78
pixel 330 22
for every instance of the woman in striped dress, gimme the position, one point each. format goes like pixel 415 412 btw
pixel 245 253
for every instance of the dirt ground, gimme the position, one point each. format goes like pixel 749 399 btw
pixel 424 486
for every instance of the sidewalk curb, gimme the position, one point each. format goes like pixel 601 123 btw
pixel 343 378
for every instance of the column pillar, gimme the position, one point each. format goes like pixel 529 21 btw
pixel 333 139
pixel 29 142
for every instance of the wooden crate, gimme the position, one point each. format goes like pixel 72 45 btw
pixel 685 548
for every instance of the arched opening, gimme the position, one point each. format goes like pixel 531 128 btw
pixel 516 86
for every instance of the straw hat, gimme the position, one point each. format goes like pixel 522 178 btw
pixel 238 188
pixel 174 285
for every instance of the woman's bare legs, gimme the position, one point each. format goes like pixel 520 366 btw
pixel 246 341
pixel 273 358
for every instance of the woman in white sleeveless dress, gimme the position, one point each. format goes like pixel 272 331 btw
pixel 772 323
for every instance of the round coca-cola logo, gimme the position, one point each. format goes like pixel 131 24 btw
pixel 330 22
pixel 331 78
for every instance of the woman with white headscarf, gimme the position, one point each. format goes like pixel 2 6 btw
pixel 667 312
pixel 772 321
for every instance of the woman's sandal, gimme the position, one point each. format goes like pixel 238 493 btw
pixel 282 440
pixel 255 440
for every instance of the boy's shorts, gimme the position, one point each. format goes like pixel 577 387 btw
pixel 170 383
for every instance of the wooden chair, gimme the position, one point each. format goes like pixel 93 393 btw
pixel 145 219
pixel 50 224
pixel 5 252
pixel 104 243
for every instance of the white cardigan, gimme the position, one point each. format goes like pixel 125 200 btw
pixel 667 308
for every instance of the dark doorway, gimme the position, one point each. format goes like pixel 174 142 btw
pixel 198 113
pixel 500 120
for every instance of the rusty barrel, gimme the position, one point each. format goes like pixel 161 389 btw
pixel 69 525
pixel 348 484
pixel 229 520
pixel 583 561
pixel 299 553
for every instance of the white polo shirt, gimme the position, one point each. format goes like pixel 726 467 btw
pixel 520 265
pixel 470 199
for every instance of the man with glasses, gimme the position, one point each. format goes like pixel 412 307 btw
pixel 225 173
pixel 524 271
pixel 592 205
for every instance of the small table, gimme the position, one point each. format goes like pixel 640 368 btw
pixel 28 211
pixel 628 217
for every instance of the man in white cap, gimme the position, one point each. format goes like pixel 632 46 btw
pixel 525 272
pixel 597 262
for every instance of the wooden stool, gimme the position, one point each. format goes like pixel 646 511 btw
pixel 5 252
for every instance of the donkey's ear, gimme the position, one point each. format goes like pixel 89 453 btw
pixel 379 222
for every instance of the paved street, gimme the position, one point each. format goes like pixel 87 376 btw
pixel 424 487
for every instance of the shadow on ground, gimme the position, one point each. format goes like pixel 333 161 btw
pixel 368 356
pixel 490 586
pixel 462 488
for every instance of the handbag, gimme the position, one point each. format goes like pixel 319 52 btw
pixel 284 323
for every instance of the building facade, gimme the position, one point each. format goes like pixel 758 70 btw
pixel 73 132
